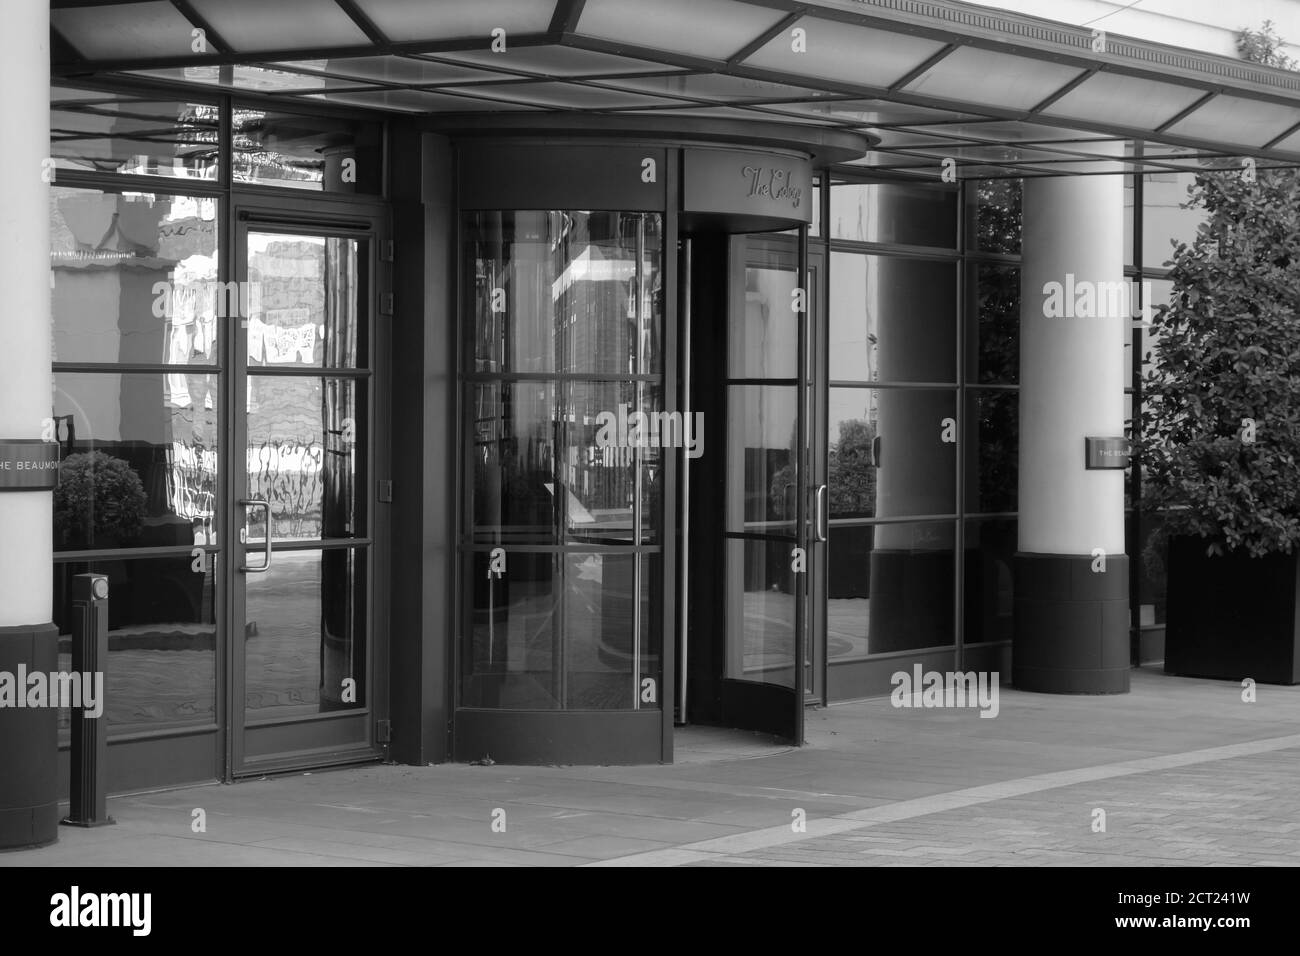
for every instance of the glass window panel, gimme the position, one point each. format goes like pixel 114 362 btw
pixel 566 291
pixel 993 215
pixel 513 452
pixel 392 69
pixel 133 135
pixel 161 665
pixel 125 30
pixel 406 20
pixel 992 447
pixel 558 61
pixel 870 112
pixel 894 213
pixel 251 25
pixel 1234 119
pixel 976 75
pixel 718 87
pixel 1118 100
pixel 305 455
pixel 713 29
pixel 603 593
pixel 305 634
pixel 413 101
pixel 307 152
pixel 563 95
pixel 1152 551
pixel 1165 218
pixel 760 612
pixel 1129 200
pixel 838 55
pixel 993 329
pixel 892 452
pixel 1162 291
pixel 761 437
pixel 139 460
pixel 134 278
pixel 892 319
pixel 612 458
pixel 302 301
pixel 514 659
pixel 731 112
pixel 1291 144
pixel 765 342
pixel 889 588
pixel 259 79
pixel 989 589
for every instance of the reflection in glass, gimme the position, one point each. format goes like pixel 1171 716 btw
pixel 764 343
pixel 913 215
pixel 307 152
pixel 1166 219
pixel 305 634
pixel 134 278
pixel 901 459
pixel 1153 580
pixel 993 331
pixel 138 460
pixel 513 450
pixel 119 133
pixel 889 588
pixel 601 633
pixel 994 224
pixel 761 440
pixel 993 447
pixel 566 291
pixel 306 440
pixel 989 596
pixel 892 319
pixel 302 300
pixel 610 456
pixel 513 658
pixel 161 667
pixel 760 613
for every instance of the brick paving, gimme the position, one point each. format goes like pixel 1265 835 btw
pixel 1188 774
pixel 1235 812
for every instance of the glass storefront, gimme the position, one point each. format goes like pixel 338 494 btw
pixel 220 387
pixel 563 388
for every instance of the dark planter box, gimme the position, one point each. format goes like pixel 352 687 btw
pixel 1233 616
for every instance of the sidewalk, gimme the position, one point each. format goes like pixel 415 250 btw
pixel 1187 773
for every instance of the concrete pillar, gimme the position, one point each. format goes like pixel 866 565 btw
pixel 28 736
pixel 1071 627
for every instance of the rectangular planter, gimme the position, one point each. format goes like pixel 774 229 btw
pixel 1233 616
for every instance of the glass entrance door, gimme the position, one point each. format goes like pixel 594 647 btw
pixel 764 550
pixel 306 652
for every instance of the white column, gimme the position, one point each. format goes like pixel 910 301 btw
pixel 26 532
pixel 1072 370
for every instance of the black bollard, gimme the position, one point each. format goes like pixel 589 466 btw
pixel 89 764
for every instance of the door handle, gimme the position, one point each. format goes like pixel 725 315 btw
pixel 821 522
pixel 250 503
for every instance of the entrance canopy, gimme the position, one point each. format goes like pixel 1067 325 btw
pixel 997 93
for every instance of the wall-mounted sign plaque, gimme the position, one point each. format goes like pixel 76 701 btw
pixel 747 183
pixel 28 464
pixel 1107 452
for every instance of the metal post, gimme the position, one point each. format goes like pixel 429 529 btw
pixel 89 764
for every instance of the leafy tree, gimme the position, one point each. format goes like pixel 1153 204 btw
pixel 1221 422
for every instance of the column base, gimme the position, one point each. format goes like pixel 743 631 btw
pixel 29 744
pixel 1071 631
